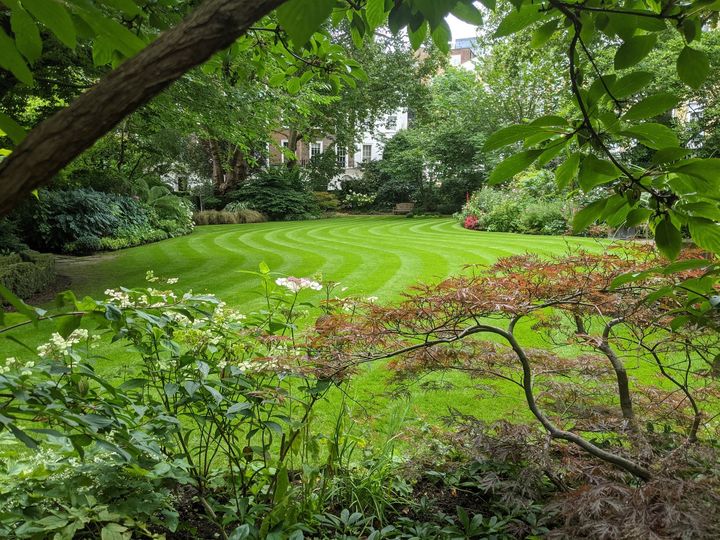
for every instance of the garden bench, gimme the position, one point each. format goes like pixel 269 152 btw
pixel 404 208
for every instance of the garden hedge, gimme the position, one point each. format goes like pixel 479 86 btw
pixel 27 273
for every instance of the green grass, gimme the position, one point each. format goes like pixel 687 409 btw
pixel 378 256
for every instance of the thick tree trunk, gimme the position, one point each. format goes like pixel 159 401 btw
pixel 215 25
pixel 218 171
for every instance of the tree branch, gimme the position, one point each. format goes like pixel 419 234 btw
pixel 214 26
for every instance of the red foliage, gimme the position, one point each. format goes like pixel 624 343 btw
pixel 471 222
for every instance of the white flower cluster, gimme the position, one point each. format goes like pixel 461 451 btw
pixel 120 298
pixel 296 285
pixel 11 364
pixel 152 278
pixel 58 346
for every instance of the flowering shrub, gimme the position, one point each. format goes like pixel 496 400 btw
pixel 471 222
pixel 357 201
pixel 222 394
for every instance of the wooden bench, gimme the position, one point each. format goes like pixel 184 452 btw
pixel 404 208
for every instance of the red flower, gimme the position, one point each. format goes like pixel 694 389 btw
pixel 471 222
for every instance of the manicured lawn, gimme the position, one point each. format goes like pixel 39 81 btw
pixel 378 256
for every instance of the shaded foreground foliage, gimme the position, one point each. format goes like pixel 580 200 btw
pixel 216 427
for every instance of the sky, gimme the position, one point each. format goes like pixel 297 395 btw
pixel 460 29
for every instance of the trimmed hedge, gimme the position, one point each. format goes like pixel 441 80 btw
pixel 27 273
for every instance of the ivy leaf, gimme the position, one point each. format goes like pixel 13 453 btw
pixel 567 171
pixel 27 35
pixel 595 172
pixel 301 18
pixel 53 15
pixel 651 106
pixel 693 67
pixel 705 233
pixel 585 217
pixel 509 135
pixel 468 12
pixel 518 19
pixel 375 13
pixel 652 135
pixel 633 50
pixel 513 165
pixel 668 238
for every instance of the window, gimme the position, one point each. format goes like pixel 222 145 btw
pixel 367 153
pixel 284 144
pixel 341 152
pixel 315 149
pixel 391 122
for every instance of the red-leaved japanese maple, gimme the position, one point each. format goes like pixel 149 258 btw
pixel 593 329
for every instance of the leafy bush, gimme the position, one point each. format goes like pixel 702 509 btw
pixel 236 206
pixel 49 496
pixel 328 202
pixel 545 218
pixel 513 211
pixel 77 221
pixel 84 245
pixel 280 194
pixel 357 201
pixel 27 273
pixel 9 237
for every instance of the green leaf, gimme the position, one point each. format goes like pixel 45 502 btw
pixel 12 60
pixel 513 165
pixel 652 135
pixel 66 325
pixel 637 216
pixel 706 169
pixel 595 172
pixel 466 11
pixel 543 34
pixel 516 20
pixel 666 155
pixel 27 35
pixel 375 13
pixel 509 135
pixel 668 238
pixel 633 50
pixel 302 18
pixel 417 37
pixel 566 172
pixel 631 84
pixel 651 106
pixel 585 217
pixel 128 7
pixel 705 233
pixel 55 17
pixel 442 36
pixel 11 128
pixel 293 86
pixel 693 67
